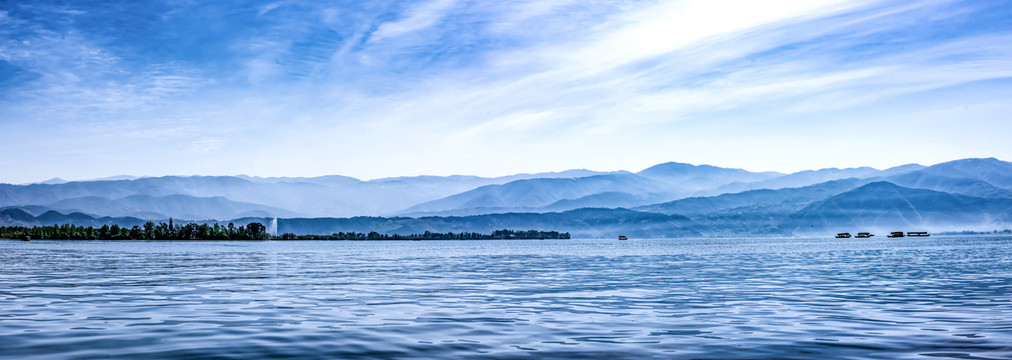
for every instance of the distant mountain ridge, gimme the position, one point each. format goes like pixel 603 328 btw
pixel 178 206
pixel 660 182
pixel 883 206
pixel 966 193
pixel 812 177
pixel 19 217
pixel 332 195
pixel 790 198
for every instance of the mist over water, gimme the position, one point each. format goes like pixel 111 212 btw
pixel 939 297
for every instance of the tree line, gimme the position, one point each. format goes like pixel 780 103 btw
pixel 250 231
pixel 150 231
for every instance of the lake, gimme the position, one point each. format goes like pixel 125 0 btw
pixel 937 297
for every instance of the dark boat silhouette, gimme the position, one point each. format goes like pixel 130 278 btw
pixel 622 237
pixel 917 234
pixel 896 234
pixel 864 235
pixel 843 235
pixel 26 238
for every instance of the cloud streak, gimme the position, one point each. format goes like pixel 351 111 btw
pixel 417 18
pixel 439 87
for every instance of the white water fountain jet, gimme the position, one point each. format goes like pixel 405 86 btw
pixel 273 227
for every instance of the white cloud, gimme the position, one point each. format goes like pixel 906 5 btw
pixel 418 18
pixel 627 86
pixel 270 7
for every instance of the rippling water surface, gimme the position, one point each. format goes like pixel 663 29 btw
pixel 940 297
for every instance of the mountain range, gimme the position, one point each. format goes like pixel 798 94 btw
pixel 665 200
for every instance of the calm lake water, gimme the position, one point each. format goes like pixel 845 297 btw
pixel 938 297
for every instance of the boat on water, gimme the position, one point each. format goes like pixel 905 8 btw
pixel 864 235
pixel 622 237
pixel 843 236
pixel 917 234
pixel 895 234
pixel 26 238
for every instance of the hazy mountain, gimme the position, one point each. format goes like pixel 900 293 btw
pixel 883 207
pixel 608 200
pixel 961 194
pixel 323 180
pixel 689 178
pixel 754 212
pixel 390 195
pixel 331 195
pixel 955 185
pixel 812 177
pixel 37 194
pixel 899 170
pixel 974 177
pixel 990 170
pixel 611 199
pixel 324 196
pixel 657 183
pixel 878 207
pixel 574 173
pixel 177 206
pixel 473 211
pixel 34 210
pixel 52 181
pixel 117 177
pixel 458 180
pixel 764 200
pixel 536 193
pixel 18 217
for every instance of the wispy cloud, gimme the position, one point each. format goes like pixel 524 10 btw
pixel 343 87
pixel 419 17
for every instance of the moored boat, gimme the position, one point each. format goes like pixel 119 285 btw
pixel 917 234
pixel 843 235
pixel 864 235
pixel 622 237
pixel 896 234
pixel 26 238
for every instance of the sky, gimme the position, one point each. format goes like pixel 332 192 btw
pixel 373 89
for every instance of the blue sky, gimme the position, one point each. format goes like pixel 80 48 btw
pixel 375 89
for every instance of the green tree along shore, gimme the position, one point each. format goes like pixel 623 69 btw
pixel 251 231
pixel 150 231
